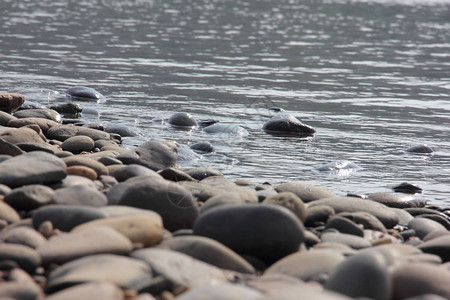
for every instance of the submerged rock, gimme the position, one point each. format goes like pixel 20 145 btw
pixel 202 147
pixel 287 125
pixel 407 188
pixel 420 149
pixel 182 119
pixel 338 167
pixel 219 128
pixel 83 93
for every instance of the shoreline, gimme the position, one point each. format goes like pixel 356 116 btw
pixel 82 215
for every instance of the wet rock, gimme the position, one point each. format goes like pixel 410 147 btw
pixel 407 188
pixel 20 135
pixel 396 200
pixel 201 173
pixel 182 119
pixel 80 195
pixel 145 229
pixel 424 226
pixel 44 113
pixel 127 273
pixel 7 148
pixel 32 168
pixel 10 102
pixel 66 217
pixel 350 240
pixel 174 203
pixel 8 214
pixel 98 290
pixel 219 128
pixel 67 108
pixel 305 192
pixel 362 275
pixel 291 202
pixel 153 154
pixel 287 125
pixel 415 279
pixel 338 167
pixel 419 149
pixel 63 132
pixel 247 229
pixel 209 251
pixel 78 144
pixel 84 242
pixel 44 124
pixel 98 167
pixel 22 235
pixel 179 269
pixel 344 225
pixel 27 258
pixel 350 204
pixel 83 93
pixel 132 170
pixel 439 246
pixel 203 147
pixel 221 291
pixel 30 197
pixel 315 265
pixel 122 130
pixel 185 154
pixel 175 175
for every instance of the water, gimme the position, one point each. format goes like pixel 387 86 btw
pixel 371 76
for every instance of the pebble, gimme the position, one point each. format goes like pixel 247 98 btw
pixel 77 144
pixel 350 240
pixel 70 108
pixel 22 235
pixel 43 113
pixel 103 290
pixel 7 148
pixel 122 130
pixel 83 93
pixel 133 170
pixel 203 147
pixel 76 160
pixel 27 258
pixel 44 124
pixel 291 202
pixel 8 214
pixel 30 197
pixel 424 226
pixel 80 195
pixel 305 192
pixel 201 173
pixel 10 102
pixel 344 225
pixel 21 135
pixel 287 125
pixel 439 246
pixel 420 149
pixel 396 200
pixel 82 171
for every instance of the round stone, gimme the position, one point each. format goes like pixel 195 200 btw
pixel 182 119
pixel 80 195
pixel 291 202
pixel 78 144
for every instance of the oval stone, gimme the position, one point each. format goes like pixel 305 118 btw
pixel 27 258
pixel 83 93
pixel 101 290
pixel 182 119
pixel 78 144
pixel 287 125
pixel 305 192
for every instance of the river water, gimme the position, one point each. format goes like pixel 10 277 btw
pixel 372 77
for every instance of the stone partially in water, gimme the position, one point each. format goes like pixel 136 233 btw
pixel 182 119
pixel 44 113
pixel 338 167
pixel 287 125
pixel 219 128
pixel 83 93
pixel 396 200
pixel 407 188
pixel 420 149
pixel 122 130
pixel 67 108
pixel 202 147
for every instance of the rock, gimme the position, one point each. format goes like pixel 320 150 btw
pixel 122 130
pixel 72 180
pixel 174 203
pixel 396 200
pixel 44 113
pixel 153 154
pixel 10 102
pixel 175 175
pixel 182 119
pixel 362 275
pixel 30 197
pixel 287 125
pixel 16 290
pixel 291 202
pixel 350 240
pixel 29 147
pixel 420 149
pixel 318 214
pixel 84 242
pixel 221 291
pixel 415 279
pixel 80 195
pixel 338 167
pixel 27 258
pixel 439 246
pixel 76 160
pixel 32 168
pixel 248 229
pixel 44 124
pixel 101 290
pixel 305 192
pixel 70 108
pixel 63 132
pixel 22 235
pixel 209 251
pixel 201 173
pixel 127 273
pixel 83 171
pixel 230 129
pixel 145 229
pixel 315 265
pixel 179 269
pixel 7 148
pixel 344 225
pixel 66 217
pixel 224 198
pixel 186 155
pixel 8 214
pixel 83 93
pixel 20 135
pixel 365 219
pixel 203 147
pixel 78 144
pixel 351 204
pixel 407 188
pixel 424 226
pixel 133 170
pixel 5 118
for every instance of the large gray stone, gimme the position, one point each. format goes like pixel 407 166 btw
pixel 439 246
pixel 77 144
pixel 44 124
pixel 125 172
pixel 44 113
pixel 80 195
pixel 287 125
pixel 424 226
pixel 20 135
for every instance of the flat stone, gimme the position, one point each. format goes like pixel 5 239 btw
pixel 84 242
pixel 8 213
pixel 5 118
pixel 80 195
pixel 29 147
pixel 249 229
pixel 83 171
pixel 403 216
pixel 63 132
pixel 78 160
pixel 221 291
pixel 174 203
pixel 44 113
pixel 314 265
pixel 30 197
pixel 180 269
pixel 439 246
pixel 209 251
pixel 201 173
pixel 83 93
pixel 396 200
pixel 351 204
pixel 175 175
pixel 27 258
pixel 20 135
pixel 22 235
pixel 32 168
pixel 78 144
pixel 44 124
pixel 415 279
pixel 291 202
pixel 144 229
pixel 287 125
pixel 7 148
pixel 351 240
pixel 365 219
pixel 127 273
pixel 318 214
pixel 305 192
pixel 10 102
pixel 122 130
pixel 361 275
pixel 424 226
pixel 66 217
pixel 344 225
pixel 101 290
pixel 125 172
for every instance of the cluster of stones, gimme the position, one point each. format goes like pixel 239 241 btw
pixel 82 217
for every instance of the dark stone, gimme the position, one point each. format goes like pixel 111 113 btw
pixel 67 108
pixel 10 102
pixel 206 122
pixel 420 149
pixel 201 173
pixel 175 175
pixel 130 171
pixel 396 200
pixel 29 147
pixel 78 144
pixel 407 188
pixel 7 148
pixel 287 125
pixel 202 147
pixel 82 93
pixel 30 197
pixel 219 128
pixel 249 229
pixel 439 246
pixel 344 225
pixel 182 119
pixel 27 258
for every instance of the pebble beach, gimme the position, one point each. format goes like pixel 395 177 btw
pixel 84 217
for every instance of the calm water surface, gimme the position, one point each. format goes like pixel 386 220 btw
pixel 373 77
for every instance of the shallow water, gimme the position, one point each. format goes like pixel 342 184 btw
pixel 372 77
